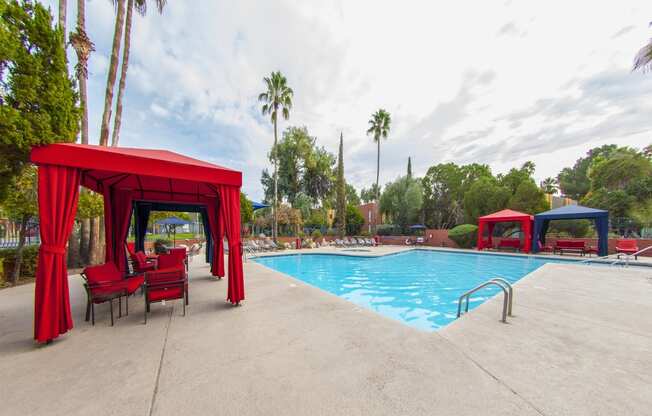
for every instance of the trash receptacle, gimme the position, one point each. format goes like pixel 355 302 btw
pixel 298 243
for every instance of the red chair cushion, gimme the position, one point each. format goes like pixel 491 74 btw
pixel 166 261
pixel 107 272
pixel 133 283
pixel 155 295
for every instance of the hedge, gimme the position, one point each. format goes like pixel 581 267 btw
pixel 464 235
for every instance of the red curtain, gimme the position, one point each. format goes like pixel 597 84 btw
pixel 117 216
pixel 480 235
pixel 217 235
pixel 58 192
pixel 230 213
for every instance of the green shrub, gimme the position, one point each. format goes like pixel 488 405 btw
pixel 388 229
pixel 464 235
pixel 30 260
pixel 316 234
pixel 571 228
pixel 161 245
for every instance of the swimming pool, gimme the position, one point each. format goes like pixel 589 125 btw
pixel 419 287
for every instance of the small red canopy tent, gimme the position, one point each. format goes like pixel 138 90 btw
pixel 506 215
pixel 124 176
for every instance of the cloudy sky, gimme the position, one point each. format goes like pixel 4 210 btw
pixel 488 82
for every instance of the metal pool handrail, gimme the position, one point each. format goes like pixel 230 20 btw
pixel 510 290
pixel 475 289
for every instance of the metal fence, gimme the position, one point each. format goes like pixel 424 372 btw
pixel 10 235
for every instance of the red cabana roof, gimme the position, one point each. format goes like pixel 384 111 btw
pixel 147 170
pixel 506 215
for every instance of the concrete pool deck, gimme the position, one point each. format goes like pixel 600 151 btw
pixel 580 344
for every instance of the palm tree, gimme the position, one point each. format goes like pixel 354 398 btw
pixel 379 125
pixel 83 47
pixel 278 96
pixel 141 7
pixel 63 7
pixel 643 60
pixel 113 69
pixel 549 186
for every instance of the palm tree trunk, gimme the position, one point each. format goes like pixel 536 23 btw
pixel 83 88
pixel 85 241
pixel 113 69
pixel 94 243
pixel 275 206
pixel 377 186
pixel 63 7
pixel 123 75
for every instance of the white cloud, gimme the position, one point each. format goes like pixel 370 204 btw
pixel 464 81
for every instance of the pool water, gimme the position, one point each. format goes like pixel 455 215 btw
pixel 419 288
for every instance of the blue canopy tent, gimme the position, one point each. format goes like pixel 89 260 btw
pixel 258 205
pixel 173 222
pixel 572 212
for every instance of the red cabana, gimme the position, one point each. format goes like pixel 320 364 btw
pixel 124 176
pixel 506 215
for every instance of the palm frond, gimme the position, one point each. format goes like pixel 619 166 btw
pixel 141 7
pixel 643 60
pixel 263 96
pixel 286 113
pixel 160 4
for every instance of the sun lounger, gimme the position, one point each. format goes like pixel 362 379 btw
pixel 627 246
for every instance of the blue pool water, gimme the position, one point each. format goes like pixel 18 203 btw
pixel 418 287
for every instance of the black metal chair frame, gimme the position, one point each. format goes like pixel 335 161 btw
pixel 165 284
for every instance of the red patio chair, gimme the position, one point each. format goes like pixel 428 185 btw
pixel 131 251
pixel 141 264
pixel 169 281
pixel 166 284
pixel 104 283
pixel 627 246
pixel 179 254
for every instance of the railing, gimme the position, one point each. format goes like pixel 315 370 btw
pixel 503 284
pixel 619 257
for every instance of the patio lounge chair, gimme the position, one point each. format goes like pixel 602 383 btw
pixel 168 282
pixel 104 283
pixel 627 246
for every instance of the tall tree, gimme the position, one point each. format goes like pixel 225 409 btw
pixel 277 97
pixel 83 47
pixel 340 188
pixel 63 7
pixel 113 69
pixel 141 7
pixel 38 102
pixel 369 195
pixel 643 60
pixel 549 186
pixel 402 201
pixel 409 169
pixel 379 126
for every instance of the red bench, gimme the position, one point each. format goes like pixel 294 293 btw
pixel 572 246
pixel 509 244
